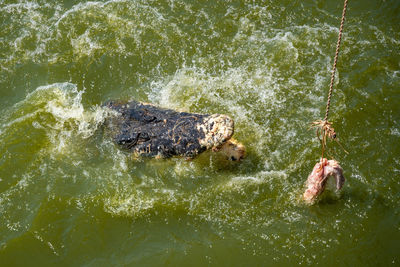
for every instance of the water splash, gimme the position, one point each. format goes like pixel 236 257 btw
pixel 262 63
pixel 57 110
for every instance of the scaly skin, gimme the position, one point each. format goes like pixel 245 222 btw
pixel 316 181
pixel 147 130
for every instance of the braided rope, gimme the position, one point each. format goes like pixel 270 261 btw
pixel 328 104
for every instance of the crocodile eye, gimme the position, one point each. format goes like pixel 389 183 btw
pixel 211 125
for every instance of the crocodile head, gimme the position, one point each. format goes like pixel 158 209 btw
pixel 218 130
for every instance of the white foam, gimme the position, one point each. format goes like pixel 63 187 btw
pixel 58 110
pixel 131 206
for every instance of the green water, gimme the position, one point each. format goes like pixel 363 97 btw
pixel 70 197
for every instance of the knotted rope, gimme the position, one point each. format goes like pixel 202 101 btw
pixel 324 126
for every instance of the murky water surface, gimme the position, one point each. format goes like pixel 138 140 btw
pixel 69 196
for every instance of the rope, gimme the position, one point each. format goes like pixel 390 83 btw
pixel 328 104
pixel 324 127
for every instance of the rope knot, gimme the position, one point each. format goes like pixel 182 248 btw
pixel 324 127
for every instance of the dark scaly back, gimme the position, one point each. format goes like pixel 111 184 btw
pixel 150 131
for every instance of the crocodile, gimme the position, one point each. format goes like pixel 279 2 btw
pixel 147 130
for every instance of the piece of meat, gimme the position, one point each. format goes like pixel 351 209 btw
pixel 316 181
